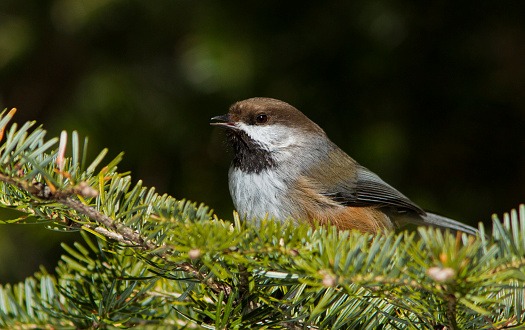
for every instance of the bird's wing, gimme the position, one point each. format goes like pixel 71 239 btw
pixel 370 188
pixel 367 189
pixel 343 180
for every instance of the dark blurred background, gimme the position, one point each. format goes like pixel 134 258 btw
pixel 429 95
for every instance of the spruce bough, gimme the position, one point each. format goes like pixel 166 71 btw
pixel 149 260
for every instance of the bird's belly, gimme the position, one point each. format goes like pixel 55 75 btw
pixel 258 195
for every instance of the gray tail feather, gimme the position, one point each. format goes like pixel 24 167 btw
pixel 439 221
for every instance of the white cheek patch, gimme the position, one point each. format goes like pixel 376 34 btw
pixel 271 137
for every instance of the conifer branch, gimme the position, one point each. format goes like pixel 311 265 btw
pixel 242 276
pixel 118 231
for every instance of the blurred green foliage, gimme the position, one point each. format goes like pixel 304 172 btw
pixel 427 95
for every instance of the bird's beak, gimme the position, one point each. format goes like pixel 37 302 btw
pixel 225 122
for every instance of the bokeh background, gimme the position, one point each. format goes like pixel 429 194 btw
pixel 429 95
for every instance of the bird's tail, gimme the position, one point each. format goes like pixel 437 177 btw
pixel 431 219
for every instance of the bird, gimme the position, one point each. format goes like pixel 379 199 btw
pixel 286 168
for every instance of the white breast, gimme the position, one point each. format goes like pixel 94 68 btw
pixel 257 195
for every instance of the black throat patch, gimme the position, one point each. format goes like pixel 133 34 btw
pixel 249 157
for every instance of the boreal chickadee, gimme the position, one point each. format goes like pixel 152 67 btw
pixel 286 167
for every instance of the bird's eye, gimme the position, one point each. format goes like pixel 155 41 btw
pixel 261 119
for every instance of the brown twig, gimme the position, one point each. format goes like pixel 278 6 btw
pixel 113 229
